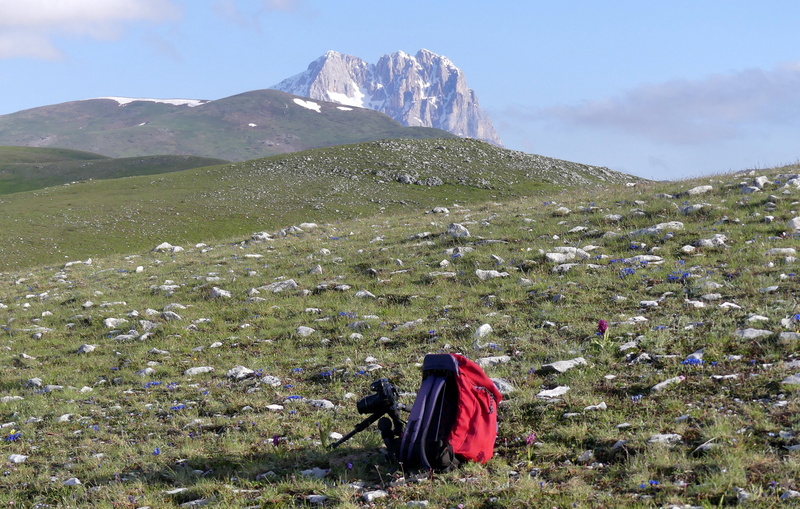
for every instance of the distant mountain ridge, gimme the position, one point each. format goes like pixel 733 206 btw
pixel 250 125
pixel 422 90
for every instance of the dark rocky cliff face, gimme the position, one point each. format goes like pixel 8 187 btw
pixel 422 90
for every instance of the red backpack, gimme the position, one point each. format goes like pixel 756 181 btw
pixel 454 417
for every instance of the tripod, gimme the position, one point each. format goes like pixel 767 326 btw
pixel 391 428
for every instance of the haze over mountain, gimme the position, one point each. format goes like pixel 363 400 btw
pixel 249 125
pixel 422 90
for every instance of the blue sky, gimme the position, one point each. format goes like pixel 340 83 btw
pixel 662 90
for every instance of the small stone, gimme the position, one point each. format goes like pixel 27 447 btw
pixel 504 386
pixel 561 366
pixel 239 372
pixel 457 230
pixel 790 495
pixel 553 393
pixel 491 361
pixel 482 331
pixel 483 275
pixel 699 190
pixel 666 383
pixel 304 331
pixel 373 495
pixel 198 370
pixel 72 481
pixel 321 403
pixel 219 293
pixel 86 348
pixel 665 438
pixel 752 333
pixel 315 472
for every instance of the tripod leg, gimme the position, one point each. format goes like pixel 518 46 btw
pixel 390 438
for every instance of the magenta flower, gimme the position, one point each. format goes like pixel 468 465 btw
pixel 531 438
pixel 602 327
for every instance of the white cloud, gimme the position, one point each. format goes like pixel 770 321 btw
pixel 718 107
pixel 28 28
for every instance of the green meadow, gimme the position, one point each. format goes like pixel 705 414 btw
pixel 216 370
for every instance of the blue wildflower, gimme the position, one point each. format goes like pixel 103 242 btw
pixel 156 451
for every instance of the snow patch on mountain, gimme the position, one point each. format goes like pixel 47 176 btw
pixel 311 105
pixel 175 102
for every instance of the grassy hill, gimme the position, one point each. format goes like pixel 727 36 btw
pixel 29 168
pixel 119 384
pixel 245 126
pixel 336 183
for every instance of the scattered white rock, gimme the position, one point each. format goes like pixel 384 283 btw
pixel 600 406
pixel 219 293
pixel 665 438
pixel 322 403
pixel 198 370
pixel 17 458
pixel 750 333
pixel 717 241
pixel 561 366
pixel 482 331
pixel 491 361
pixel 553 393
pixel 304 331
pixel 370 496
pixel 72 481
pixel 166 247
pixel 666 383
pixel 316 472
pixel 280 286
pixel 457 230
pixel 86 348
pixel 699 190
pixel 239 372
pixel 316 499
pixel 113 323
pixel 483 275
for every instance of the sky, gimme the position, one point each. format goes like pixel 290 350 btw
pixel 660 90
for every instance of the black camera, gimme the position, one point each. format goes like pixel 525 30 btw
pixel 382 401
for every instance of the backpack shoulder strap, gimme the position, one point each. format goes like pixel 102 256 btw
pixel 424 441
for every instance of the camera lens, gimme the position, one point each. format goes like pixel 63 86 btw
pixel 370 404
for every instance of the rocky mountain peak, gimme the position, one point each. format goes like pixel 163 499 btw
pixel 425 90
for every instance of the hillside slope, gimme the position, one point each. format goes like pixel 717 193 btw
pixel 245 126
pixel 28 168
pixel 320 185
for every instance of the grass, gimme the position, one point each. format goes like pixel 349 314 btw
pixel 165 438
